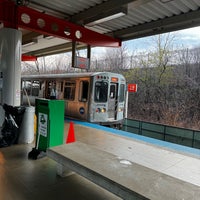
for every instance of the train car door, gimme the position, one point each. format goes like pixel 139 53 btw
pixel 76 93
pixel 48 89
pixel 83 99
pixel 59 89
pixel 112 101
pixel 54 89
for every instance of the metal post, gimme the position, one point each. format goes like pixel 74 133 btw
pixel 88 55
pixel 126 105
pixel 73 53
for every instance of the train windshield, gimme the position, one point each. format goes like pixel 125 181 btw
pixel 121 93
pixel 101 91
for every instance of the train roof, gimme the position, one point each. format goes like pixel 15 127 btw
pixel 67 75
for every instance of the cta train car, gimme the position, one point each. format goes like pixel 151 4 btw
pixel 97 97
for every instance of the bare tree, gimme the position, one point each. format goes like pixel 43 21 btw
pixel 60 63
pixel 115 59
pixel 154 76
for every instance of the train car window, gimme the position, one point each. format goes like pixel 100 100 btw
pixel 122 93
pixel 101 91
pixel 26 86
pixel 69 90
pixel 61 87
pixel 41 83
pixel 112 91
pixel 50 90
pixel 31 88
pixel 35 88
pixel 83 91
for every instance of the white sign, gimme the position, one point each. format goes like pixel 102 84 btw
pixel 42 128
pixel 81 62
pixel 132 87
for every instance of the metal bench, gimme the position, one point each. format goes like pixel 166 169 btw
pixel 126 179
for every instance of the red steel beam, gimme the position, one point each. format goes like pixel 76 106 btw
pixel 28 58
pixel 8 14
pixel 28 18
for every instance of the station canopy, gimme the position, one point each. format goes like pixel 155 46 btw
pixel 119 19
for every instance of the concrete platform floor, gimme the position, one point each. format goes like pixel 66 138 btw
pixel 23 179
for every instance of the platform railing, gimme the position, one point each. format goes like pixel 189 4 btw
pixel 182 136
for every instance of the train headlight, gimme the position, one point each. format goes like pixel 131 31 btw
pixel 120 109
pixel 103 110
pixel 100 110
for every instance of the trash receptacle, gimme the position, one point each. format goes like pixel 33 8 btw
pixel 50 125
pixel 11 126
pixel 26 135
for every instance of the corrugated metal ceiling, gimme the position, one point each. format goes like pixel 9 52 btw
pixel 143 18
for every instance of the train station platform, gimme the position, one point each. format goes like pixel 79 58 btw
pixel 22 179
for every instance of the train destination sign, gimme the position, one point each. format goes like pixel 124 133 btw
pixel 81 62
pixel 132 87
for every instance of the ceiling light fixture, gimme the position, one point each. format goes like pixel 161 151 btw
pixel 48 37
pixel 29 43
pixel 106 16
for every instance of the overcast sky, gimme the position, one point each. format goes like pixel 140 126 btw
pixel 187 38
pixel 191 36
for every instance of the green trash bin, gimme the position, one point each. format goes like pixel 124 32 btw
pixel 50 125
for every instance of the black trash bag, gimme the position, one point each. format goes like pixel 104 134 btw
pixel 10 130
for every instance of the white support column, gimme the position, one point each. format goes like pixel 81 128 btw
pixel 10 66
pixel 126 105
